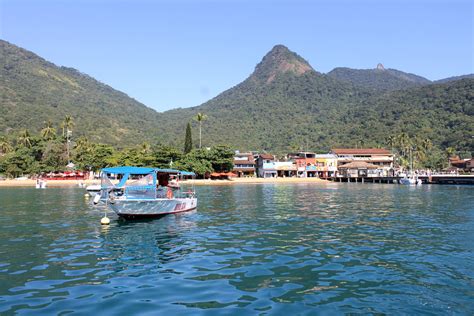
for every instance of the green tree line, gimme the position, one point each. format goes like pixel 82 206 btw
pixel 419 152
pixel 49 151
pixel 27 153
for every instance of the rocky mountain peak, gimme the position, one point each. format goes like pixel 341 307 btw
pixel 280 60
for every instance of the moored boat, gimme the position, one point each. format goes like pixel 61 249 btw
pixel 93 189
pixel 410 180
pixel 41 184
pixel 144 192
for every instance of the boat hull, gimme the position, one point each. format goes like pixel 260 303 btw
pixel 131 209
pixel 41 184
pixel 93 189
pixel 410 181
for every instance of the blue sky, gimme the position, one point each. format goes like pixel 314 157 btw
pixel 179 53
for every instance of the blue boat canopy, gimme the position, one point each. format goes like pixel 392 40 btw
pixel 127 169
pixel 144 170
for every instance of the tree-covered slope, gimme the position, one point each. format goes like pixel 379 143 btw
pixel 33 90
pixel 275 108
pixel 283 105
pixel 379 78
pixel 443 113
pixel 287 110
pixel 455 78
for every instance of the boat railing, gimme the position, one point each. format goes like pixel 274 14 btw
pixel 186 194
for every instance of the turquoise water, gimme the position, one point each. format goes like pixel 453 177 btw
pixel 249 249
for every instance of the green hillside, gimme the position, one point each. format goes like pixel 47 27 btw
pixel 283 105
pixel 287 110
pixel 455 78
pixel 379 78
pixel 34 91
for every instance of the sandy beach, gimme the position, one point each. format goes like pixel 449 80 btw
pixel 66 183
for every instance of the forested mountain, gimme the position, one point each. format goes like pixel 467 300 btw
pixel 378 78
pixel 455 78
pixel 287 109
pixel 283 105
pixel 33 91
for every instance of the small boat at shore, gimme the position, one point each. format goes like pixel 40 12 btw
pixel 144 192
pixel 41 184
pixel 93 189
pixel 410 180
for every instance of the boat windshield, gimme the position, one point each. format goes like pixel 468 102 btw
pixel 142 188
pixel 132 185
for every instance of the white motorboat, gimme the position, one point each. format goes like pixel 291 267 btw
pixel 410 180
pixel 93 189
pixel 41 184
pixel 144 192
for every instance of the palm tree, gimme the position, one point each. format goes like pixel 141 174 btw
pixel 391 141
pixel 404 142
pixel 420 150
pixel 67 124
pixel 200 118
pixel 48 132
pixel 25 138
pixel 5 146
pixel 450 151
pixel 145 148
pixel 426 145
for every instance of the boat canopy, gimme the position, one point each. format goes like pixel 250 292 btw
pixel 145 186
pixel 129 170
pixel 144 170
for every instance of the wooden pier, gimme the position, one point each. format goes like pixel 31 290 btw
pixel 433 179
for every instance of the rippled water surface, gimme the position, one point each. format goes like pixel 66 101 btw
pixel 248 249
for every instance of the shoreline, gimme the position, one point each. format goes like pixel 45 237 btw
pixel 72 183
pixel 254 181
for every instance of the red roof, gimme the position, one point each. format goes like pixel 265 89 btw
pixel 361 151
pixel 266 156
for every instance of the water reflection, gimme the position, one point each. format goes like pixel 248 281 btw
pixel 248 249
pixel 134 245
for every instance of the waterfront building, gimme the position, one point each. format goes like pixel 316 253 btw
pixel 244 165
pixel 305 164
pixel 326 165
pixel 359 169
pixel 266 167
pixel 379 157
pixel 470 165
pixel 463 164
pixel 285 168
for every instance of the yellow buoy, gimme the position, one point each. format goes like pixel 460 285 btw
pixel 105 220
pixel 86 196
